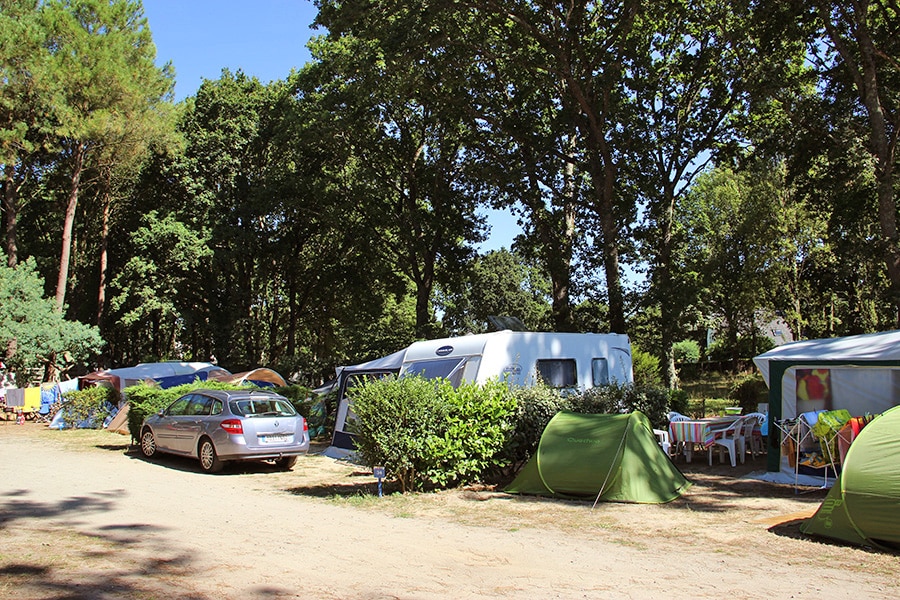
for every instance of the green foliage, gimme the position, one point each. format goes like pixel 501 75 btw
pixel 748 392
pixel 395 419
pixel 479 420
pixel 679 401
pixel 91 405
pixel 147 400
pixel 686 351
pixel 535 406
pixel 499 283
pixel 645 367
pixel 425 432
pixel 33 326
pixel 745 347
pixel 614 398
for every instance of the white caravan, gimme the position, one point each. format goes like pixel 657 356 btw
pixel 569 361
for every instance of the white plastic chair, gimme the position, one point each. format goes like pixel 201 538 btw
pixel 731 439
pixel 662 438
pixel 754 441
pixel 679 446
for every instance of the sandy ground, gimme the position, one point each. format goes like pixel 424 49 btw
pixel 81 516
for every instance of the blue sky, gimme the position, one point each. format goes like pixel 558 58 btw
pixel 265 39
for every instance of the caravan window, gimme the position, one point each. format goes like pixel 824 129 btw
pixel 600 371
pixel 443 368
pixel 558 373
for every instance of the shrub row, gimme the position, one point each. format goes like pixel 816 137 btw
pixel 425 433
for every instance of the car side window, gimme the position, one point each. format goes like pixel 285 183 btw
pixel 179 407
pixel 217 407
pixel 200 405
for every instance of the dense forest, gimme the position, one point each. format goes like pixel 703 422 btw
pixel 678 167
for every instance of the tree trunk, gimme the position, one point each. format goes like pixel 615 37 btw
pixel 10 215
pixel 104 256
pixel 62 282
pixel 668 312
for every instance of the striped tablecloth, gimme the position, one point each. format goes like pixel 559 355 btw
pixel 701 431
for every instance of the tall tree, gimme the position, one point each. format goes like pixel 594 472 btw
pixel 102 73
pixel 690 78
pixel 577 49
pixel 862 43
pixel 410 141
pixel 25 115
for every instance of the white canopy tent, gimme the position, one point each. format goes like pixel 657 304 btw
pixel 859 373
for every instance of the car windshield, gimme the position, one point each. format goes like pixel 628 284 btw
pixel 262 407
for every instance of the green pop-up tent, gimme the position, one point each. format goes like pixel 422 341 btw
pixel 614 458
pixel 862 507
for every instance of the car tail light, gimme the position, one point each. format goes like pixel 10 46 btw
pixel 233 426
pixel 305 426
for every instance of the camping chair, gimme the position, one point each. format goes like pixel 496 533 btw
pixel 662 438
pixel 732 439
pixel 752 436
pixel 677 416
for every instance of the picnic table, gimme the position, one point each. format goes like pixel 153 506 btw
pixel 702 432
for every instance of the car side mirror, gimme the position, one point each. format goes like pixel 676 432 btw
pixel 161 413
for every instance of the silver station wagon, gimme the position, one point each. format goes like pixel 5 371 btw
pixel 217 426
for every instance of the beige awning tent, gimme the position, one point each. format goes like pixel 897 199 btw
pixel 260 375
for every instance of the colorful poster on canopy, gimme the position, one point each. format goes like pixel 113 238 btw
pixel 813 390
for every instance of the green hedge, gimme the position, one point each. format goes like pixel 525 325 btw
pixel 426 433
pixel 146 400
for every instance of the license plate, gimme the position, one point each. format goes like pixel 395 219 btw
pixel 275 439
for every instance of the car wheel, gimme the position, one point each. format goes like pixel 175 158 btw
pixel 209 460
pixel 148 444
pixel 286 463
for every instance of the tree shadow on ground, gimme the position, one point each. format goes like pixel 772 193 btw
pixel 122 560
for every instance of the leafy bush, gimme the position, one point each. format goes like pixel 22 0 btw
pixel 479 420
pixel 423 431
pixel 646 368
pixel 678 401
pixel 146 400
pixel 653 401
pixel 88 407
pixel 686 351
pixel 535 406
pixel 748 392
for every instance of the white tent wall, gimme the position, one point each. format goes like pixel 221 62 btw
pixel 857 388
pixel 862 375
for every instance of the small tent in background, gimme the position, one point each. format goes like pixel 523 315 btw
pixel 262 377
pixel 170 372
pixel 862 508
pixel 615 458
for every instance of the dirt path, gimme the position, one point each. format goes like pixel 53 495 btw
pixel 90 521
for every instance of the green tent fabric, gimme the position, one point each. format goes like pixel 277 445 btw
pixel 614 458
pixel 862 507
